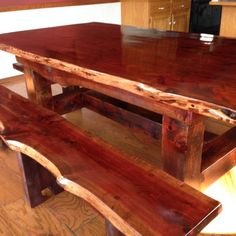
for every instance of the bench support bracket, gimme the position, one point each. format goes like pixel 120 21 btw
pixel 36 179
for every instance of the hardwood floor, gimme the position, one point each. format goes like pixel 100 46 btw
pixel 65 214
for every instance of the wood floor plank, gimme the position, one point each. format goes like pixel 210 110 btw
pixel 71 210
pixel 8 159
pixel 5 229
pixel 10 181
pixel 224 190
pixel 93 227
pixel 125 139
pixel 34 222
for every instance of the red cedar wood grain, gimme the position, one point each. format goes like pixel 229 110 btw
pixel 181 70
pixel 134 198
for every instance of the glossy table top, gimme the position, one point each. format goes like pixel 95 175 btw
pixel 12 5
pixel 202 67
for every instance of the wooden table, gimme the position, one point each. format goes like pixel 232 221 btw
pixel 228 17
pixel 14 5
pixel 185 77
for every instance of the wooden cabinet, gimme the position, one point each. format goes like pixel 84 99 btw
pixel 181 15
pixel 159 14
pixel 228 17
pixel 160 22
pixel 180 21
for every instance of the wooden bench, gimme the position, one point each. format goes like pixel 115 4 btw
pixel 136 199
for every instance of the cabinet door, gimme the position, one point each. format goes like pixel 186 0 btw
pixel 160 14
pixel 135 13
pixel 181 5
pixel 181 15
pixel 160 22
pixel 180 21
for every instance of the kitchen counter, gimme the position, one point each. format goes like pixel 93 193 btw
pixel 228 17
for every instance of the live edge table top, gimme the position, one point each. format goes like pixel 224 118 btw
pixel 188 71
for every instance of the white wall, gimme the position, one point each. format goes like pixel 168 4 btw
pixel 40 18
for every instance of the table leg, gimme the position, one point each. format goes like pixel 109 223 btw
pixel 35 177
pixel 38 88
pixel 182 148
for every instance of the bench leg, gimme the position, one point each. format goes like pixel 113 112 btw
pixel 182 148
pixel 111 230
pixel 36 178
pixel 1 143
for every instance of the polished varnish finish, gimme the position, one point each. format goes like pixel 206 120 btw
pixel 14 5
pixel 187 71
pixel 136 199
pixel 184 77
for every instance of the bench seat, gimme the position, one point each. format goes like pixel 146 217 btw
pixel 136 199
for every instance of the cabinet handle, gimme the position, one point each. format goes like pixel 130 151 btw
pixel 174 22
pixel 170 22
pixel 161 8
pixel 182 5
